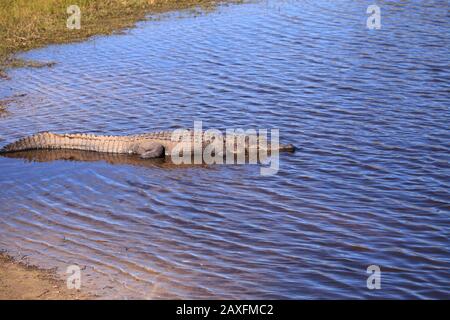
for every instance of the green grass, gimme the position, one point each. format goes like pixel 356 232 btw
pixel 29 24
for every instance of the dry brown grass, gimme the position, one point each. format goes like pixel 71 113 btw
pixel 28 24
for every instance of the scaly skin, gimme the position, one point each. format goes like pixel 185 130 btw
pixel 143 145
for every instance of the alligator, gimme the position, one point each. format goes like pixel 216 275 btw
pixel 148 145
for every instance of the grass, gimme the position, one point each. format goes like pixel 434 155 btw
pixel 29 24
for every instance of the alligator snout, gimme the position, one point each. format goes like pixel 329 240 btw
pixel 288 148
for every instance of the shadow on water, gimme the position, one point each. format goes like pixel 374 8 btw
pixel 120 159
pixel 90 156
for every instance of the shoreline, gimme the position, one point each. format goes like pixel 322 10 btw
pixel 25 25
pixel 21 281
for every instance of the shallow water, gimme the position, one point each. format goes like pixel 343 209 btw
pixel 369 185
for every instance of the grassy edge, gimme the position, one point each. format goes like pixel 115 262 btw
pixel 118 21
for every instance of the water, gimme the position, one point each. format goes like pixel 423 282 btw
pixel 369 185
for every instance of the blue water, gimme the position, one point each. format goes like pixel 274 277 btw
pixel 369 185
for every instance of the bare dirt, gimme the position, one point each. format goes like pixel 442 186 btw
pixel 19 281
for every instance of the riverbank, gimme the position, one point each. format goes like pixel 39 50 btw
pixel 20 281
pixel 26 25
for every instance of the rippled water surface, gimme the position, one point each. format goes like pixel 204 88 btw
pixel 369 184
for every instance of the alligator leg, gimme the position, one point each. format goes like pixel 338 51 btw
pixel 150 150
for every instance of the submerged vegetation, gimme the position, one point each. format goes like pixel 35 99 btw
pixel 28 24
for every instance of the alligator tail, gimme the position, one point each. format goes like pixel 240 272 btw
pixel 48 140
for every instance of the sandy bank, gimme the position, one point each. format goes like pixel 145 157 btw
pixel 19 281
